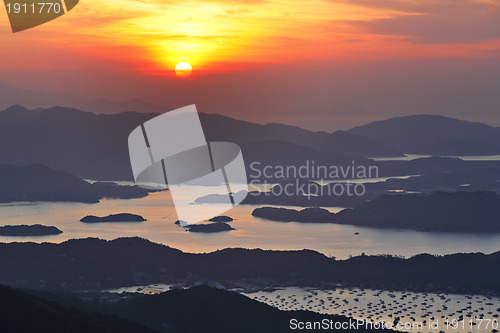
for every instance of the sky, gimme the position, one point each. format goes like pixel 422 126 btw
pixel 319 64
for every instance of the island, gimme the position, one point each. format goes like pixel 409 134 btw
pixel 123 217
pixel 210 228
pixel 29 230
pixel 477 212
pixel 441 211
pixel 307 215
pixel 222 218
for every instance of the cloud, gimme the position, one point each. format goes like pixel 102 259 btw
pixel 435 21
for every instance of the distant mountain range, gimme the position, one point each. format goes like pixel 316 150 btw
pixel 95 146
pixel 221 128
pixel 39 99
pixel 433 135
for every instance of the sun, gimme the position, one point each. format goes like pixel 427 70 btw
pixel 183 69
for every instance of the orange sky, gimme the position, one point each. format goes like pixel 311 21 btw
pixel 145 39
pixel 154 35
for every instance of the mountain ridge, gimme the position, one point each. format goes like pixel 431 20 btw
pixel 96 264
pixel 434 135
pixel 96 146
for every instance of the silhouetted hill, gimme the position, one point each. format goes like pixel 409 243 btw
pixel 96 146
pixel 222 128
pixel 22 312
pixel 434 135
pixel 459 211
pixel 282 154
pixel 41 183
pixel 339 142
pixel 82 143
pixel 197 309
pixel 210 310
pixel 97 264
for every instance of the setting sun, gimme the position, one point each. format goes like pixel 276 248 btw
pixel 183 69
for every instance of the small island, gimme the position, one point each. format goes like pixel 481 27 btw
pixel 222 219
pixel 123 217
pixel 307 215
pixel 29 230
pixel 210 228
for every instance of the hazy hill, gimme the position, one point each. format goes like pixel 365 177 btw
pixel 95 146
pixel 339 142
pixel 41 183
pixel 82 143
pixel 11 95
pixel 433 135
pixel 106 106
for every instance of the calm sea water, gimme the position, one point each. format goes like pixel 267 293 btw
pixel 446 312
pixel 416 310
pixel 330 239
